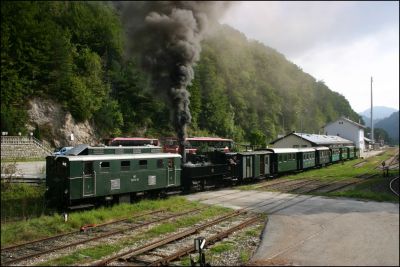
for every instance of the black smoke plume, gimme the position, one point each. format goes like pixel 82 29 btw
pixel 167 37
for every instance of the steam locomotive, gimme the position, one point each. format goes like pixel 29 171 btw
pixel 87 176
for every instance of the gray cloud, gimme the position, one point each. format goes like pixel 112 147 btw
pixel 295 27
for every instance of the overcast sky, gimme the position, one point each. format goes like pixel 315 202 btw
pixel 341 43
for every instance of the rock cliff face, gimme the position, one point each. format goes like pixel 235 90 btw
pixel 56 125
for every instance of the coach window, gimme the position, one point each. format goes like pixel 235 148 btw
pixel 105 166
pixel 170 163
pixel 143 164
pixel 125 165
pixel 160 163
pixel 88 168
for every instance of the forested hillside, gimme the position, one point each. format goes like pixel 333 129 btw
pixel 391 126
pixel 73 52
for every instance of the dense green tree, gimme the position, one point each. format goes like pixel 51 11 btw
pixel 72 52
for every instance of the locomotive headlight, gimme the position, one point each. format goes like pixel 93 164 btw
pixel 66 191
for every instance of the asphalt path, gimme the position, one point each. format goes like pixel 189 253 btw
pixel 311 230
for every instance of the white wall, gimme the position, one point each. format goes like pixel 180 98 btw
pixel 348 131
pixel 290 141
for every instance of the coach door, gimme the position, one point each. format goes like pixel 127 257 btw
pixel 266 164
pixel 262 164
pixel 247 166
pixel 171 172
pixel 88 179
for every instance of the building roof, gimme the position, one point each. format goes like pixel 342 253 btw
pixel 318 139
pixel 348 120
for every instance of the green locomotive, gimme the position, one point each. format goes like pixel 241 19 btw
pixel 84 180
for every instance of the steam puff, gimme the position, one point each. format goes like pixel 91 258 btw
pixel 167 36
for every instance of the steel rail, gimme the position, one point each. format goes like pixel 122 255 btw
pixel 165 260
pixel 297 185
pixel 344 185
pixel 98 237
pixel 317 188
pixel 77 231
pixel 390 185
pixel 145 248
pixel 273 184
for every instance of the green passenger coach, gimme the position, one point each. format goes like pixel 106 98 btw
pixel 306 158
pixel 254 164
pixel 284 160
pixel 351 152
pixel 85 179
pixel 322 156
pixel 335 154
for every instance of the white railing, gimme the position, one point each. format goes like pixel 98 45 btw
pixel 15 143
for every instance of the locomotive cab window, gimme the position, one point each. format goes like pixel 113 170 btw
pixel 104 166
pixel 88 167
pixel 142 164
pixel 125 165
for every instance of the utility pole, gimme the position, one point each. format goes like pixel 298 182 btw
pixel 372 114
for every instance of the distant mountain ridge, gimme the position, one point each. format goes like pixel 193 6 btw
pixel 380 112
pixel 391 126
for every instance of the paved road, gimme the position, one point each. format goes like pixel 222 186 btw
pixel 312 230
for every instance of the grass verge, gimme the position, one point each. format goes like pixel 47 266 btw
pixel 94 253
pixel 21 201
pixel 45 226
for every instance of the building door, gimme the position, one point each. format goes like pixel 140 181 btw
pixel 88 179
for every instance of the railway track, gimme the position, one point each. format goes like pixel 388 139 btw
pixel 391 185
pixel 281 183
pixel 136 255
pixel 18 253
